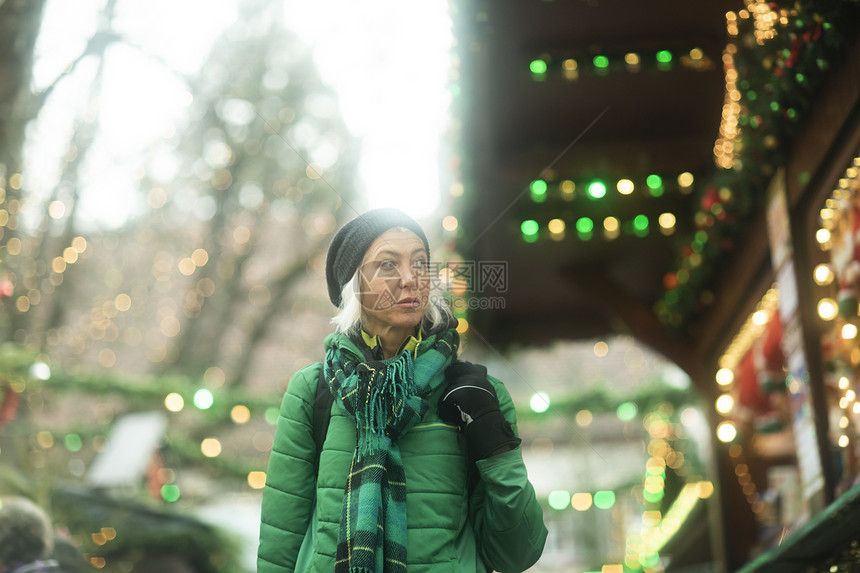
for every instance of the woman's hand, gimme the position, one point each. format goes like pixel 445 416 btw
pixel 471 402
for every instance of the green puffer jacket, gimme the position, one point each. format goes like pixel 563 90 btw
pixel 500 526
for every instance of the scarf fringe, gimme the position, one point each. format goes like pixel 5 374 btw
pixel 386 399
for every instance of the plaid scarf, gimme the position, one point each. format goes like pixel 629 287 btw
pixel 385 398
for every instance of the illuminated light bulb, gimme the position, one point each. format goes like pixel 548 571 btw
pixel 450 223
pixel 611 225
pixel 530 230
pixel 823 274
pixel 584 225
pixel 822 236
pixel 696 54
pixel 626 411
pixel 827 309
pixel 625 186
pixel 666 221
pixel 705 489
pixel 856 408
pixel 584 418
pixel 556 226
pixel 843 441
pixel 759 317
pixel 538 190
pixel 210 447
pixel 843 383
pixel 826 214
pixel 725 376
pixel 724 404
pixel 685 179
pixel 843 422
pixel 654 182
pixel 640 225
pixel 726 432
pixel 174 402
pixel 596 189
pixel 849 331
pixel 539 402
pixel 663 56
pixel 601 62
pixel 604 499
pixel 170 492
pixel 203 399
pixel 568 188
pixel 240 414
pixel 569 65
pixel 558 499
pixel 257 479
pixel 581 501
pixel 632 59
pixel 462 325
pixel 538 66
pixel 850 395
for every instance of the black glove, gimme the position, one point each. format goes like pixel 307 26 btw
pixel 471 402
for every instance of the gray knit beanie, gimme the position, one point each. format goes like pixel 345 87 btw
pixel 352 241
pixel 25 531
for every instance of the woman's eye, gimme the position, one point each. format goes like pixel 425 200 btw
pixel 420 265
pixel 387 265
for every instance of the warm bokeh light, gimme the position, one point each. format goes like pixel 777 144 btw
pixel 827 309
pixel 210 447
pixel 822 274
pixel 174 402
pixel 726 432
pixel 581 501
pixel 724 403
pixel 725 376
pixel 257 479
pixel 240 414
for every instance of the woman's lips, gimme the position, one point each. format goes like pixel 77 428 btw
pixel 408 302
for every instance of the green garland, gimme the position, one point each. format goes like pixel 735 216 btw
pixel 779 82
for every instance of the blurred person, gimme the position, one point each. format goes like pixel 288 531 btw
pixel 420 467
pixel 26 537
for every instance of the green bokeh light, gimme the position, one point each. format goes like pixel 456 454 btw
pixel 538 66
pixel 596 189
pixel 203 399
pixel 538 190
pixel 559 499
pixel 170 492
pixel 73 442
pixel 627 411
pixel 604 499
pixel 584 225
pixel 601 62
pixel 664 56
pixel 530 229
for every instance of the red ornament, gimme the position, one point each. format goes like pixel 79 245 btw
pixel 670 281
pixel 6 288
pixel 9 407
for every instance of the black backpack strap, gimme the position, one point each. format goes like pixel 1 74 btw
pixel 323 401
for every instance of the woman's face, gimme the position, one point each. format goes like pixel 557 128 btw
pixel 395 285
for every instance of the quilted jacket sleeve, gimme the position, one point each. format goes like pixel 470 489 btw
pixel 506 516
pixel 290 482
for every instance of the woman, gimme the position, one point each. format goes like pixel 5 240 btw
pixel 26 537
pixel 408 421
